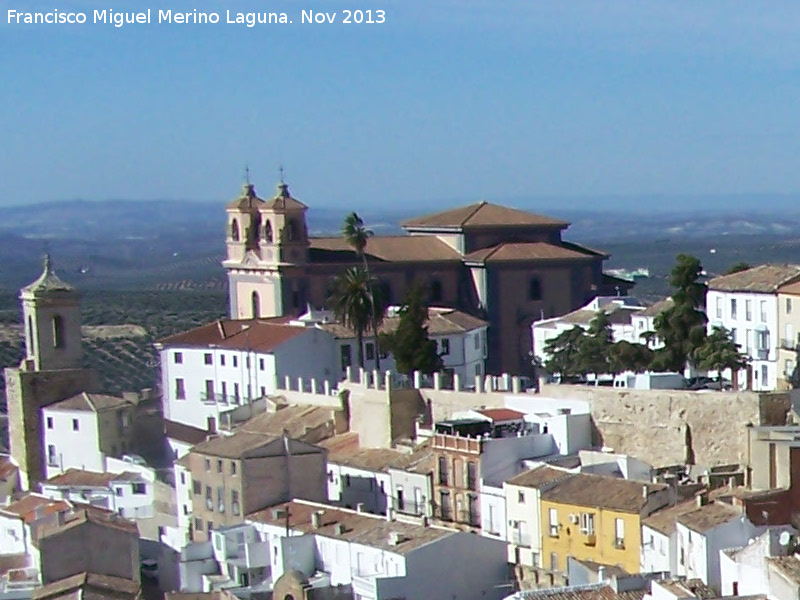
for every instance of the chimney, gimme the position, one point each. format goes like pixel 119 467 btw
pixel 601 574
pixel 389 513
pixel 645 492
pixel 731 482
pixel 338 529
pixel 395 537
pixel 316 519
pixel 701 499
pixel 360 507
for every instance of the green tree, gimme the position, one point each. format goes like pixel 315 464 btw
pixel 594 349
pixel 738 268
pixel 682 327
pixel 410 343
pixel 352 301
pixel 357 236
pixel 720 352
pixel 562 354
pixel 626 356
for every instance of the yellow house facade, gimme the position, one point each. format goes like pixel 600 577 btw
pixel 597 518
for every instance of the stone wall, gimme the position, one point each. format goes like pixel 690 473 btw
pixel 666 427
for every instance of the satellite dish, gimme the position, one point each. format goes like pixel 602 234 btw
pixel 784 538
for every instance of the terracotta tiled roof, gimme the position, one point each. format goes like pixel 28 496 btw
pixel 705 518
pixel 539 476
pixel 91 402
pixel 345 450
pixel 657 308
pixel 283 200
pixel 598 591
pixel 584 489
pixel 101 585
pixel 398 248
pixel 184 433
pixel 360 528
pixel 790 288
pixel 788 566
pixel 85 513
pixel 249 334
pixel 420 460
pixel 664 520
pixel 48 282
pixel 233 446
pixel 762 279
pixel 523 251
pixel 301 422
pixel 247 200
pixel 81 478
pixel 690 588
pixel 501 414
pixel 32 507
pixel 441 321
pixel 482 214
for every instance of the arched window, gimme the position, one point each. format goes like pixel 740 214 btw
pixel 256 305
pixel 235 230
pixel 534 289
pixel 436 291
pixel 291 230
pixel 268 231
pixel 58 331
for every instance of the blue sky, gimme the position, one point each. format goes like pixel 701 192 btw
pixel 448 101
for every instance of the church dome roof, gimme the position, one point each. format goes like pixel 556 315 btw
pixel 248 199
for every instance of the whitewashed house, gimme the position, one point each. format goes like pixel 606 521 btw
pixel 83 431
pixel 746 571
pixel 379 558
pixel 620 310
pixel 223 365
pixel 746 304
pixel 411 482
pixel 703 533
pixel 128 494
pixel 660 538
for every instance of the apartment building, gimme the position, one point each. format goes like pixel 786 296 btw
pixel 127 494
pixel 233 475
pixel 746 304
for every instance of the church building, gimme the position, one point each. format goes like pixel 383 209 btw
pixel 507 266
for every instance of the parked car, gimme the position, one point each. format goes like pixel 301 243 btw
pixel 707 383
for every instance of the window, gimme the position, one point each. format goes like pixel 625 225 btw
pixel 472 476
pixel 210 395
pixel 76 425
pixel 177 358
pixel 260 364
pixel 235 238
pixel 443 470
pixel 764 375
pixel 788 306
pixel 553 561
pixel 445 510
pixel 198 524
pixel 209 527
pixel 52 457
pixel 236 393
pixel 436 291
pixel 478 343
pixel 587 523
pixel 219 466
pixel 224 390
pixel 197 487
pixel 347 481
pixel 208 358
pixel 222 360
pixel 347 358
pixel 369 351
pixel 733 308
pixel 520 497
pixel 49 422
pixel 185 510
pixel 221 499
pixel 553 514
pixel 180 390
pixel 233 467
pixel 748 340
pixel 734 336
pixel 255 305
pixel 719 307
pixel 183 478
pixel 235 361
pixel 401 503
pixel 139 488
pixel 444 347
pixel 619 534
pixel 748 310
pixel 534 289
pixel 263 391
pixel 763 311
pixel 235 502
pixel 118 492
pixel 208 464
pixel 58 331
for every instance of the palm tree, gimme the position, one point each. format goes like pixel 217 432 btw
pixel 351 301
pixel 720 352
pixel 357 236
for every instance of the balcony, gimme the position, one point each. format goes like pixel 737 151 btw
pixel 789 344
pixel 220 399
pixel 364 587
pixel 590 540
pixel 762 353
pixel 619 544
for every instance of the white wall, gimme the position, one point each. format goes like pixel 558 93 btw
pixel 349 486
pixel 183 499
pixel 746 330
pixel 493 511
pixel 75 449
pixel 417 491
pixel 524 524
pixel 658 551
pixel 14 539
